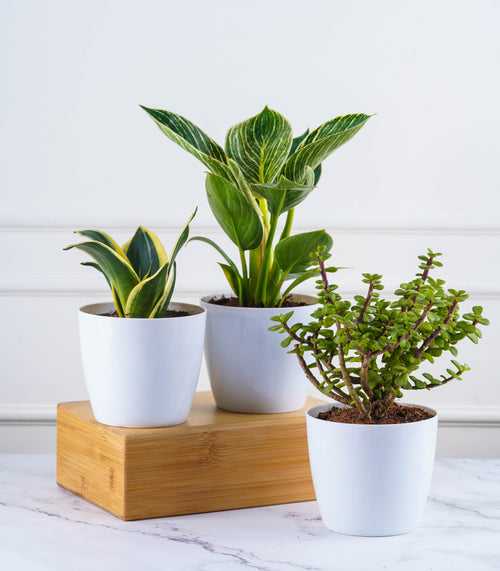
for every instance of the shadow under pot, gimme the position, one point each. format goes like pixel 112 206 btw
pixel 249 370
pixel 371 479
pixel 141 372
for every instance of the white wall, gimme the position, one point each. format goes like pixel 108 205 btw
pixel 76 151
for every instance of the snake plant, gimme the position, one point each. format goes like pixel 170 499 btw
pixel 261 175
pixel 140 273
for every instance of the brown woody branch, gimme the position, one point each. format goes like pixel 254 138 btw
pixel 365 304
pixel 428 340
pixel 390 347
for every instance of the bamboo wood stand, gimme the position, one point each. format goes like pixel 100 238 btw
pixel 217 460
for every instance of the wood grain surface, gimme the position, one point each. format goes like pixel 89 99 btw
pixel 217 460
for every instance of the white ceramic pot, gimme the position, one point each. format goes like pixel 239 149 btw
pixel 249 370
pixel 141 372
pixel 371 480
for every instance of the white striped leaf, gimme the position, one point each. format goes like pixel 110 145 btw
pixel 260 145
pixel 295 144
pixel 192 139
pixel 321 142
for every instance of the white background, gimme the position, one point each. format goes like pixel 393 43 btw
pixel 76 151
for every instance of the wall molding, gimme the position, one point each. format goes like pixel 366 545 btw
pixel 458 230
pixel 19 414
pixel 97 293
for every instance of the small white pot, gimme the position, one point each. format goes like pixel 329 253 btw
pixel 249 370
pixel 141 372
pixel 371 480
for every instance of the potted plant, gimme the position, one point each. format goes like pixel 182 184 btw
pixel 141 354
pixel 254 184
pixel 372 457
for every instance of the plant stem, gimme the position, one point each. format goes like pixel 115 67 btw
pixel 391 347
pixel 365 304
pixel 288 224
pixel 244 268
pixel 244 271
pixel 426 342
pixel 358 403
pixel 266 262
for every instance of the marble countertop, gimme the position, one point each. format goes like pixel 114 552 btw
pixel 43 527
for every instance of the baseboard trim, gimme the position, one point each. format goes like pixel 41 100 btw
pixel 45 414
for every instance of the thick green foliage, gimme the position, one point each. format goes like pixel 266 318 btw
pixel 365 353
pixel 140 273
pixel 262 174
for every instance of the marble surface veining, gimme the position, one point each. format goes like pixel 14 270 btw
pixel 43 527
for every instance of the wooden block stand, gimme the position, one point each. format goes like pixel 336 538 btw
pixel 215 461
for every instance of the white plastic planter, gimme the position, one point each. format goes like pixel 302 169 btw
pixel 371 480
pixel 141 372
pixel 249 370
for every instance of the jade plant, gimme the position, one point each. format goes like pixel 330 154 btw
pixel 365 353
pixel 254 183
pixel 140 273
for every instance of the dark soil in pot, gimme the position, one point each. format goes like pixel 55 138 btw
pixel 290 301
pixel 397 414
pixel 169 313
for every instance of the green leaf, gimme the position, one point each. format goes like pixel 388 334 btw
pixel 296 142
pixel 103 237
pixel 183 237
pixel 321 142
pixel 145 252
pixel 116 300
pixel 234 213
pixel 145 294
pixel 117 269
pixel 286 341
pixel 260 145
pixel 233 278
pixel 192 139
pixel 285 194
pixel 294 254
pixel 161 307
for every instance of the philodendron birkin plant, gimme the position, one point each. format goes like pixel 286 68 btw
pixel 141 354
pixel 364 354
pixel 262 174
pixel 253 186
